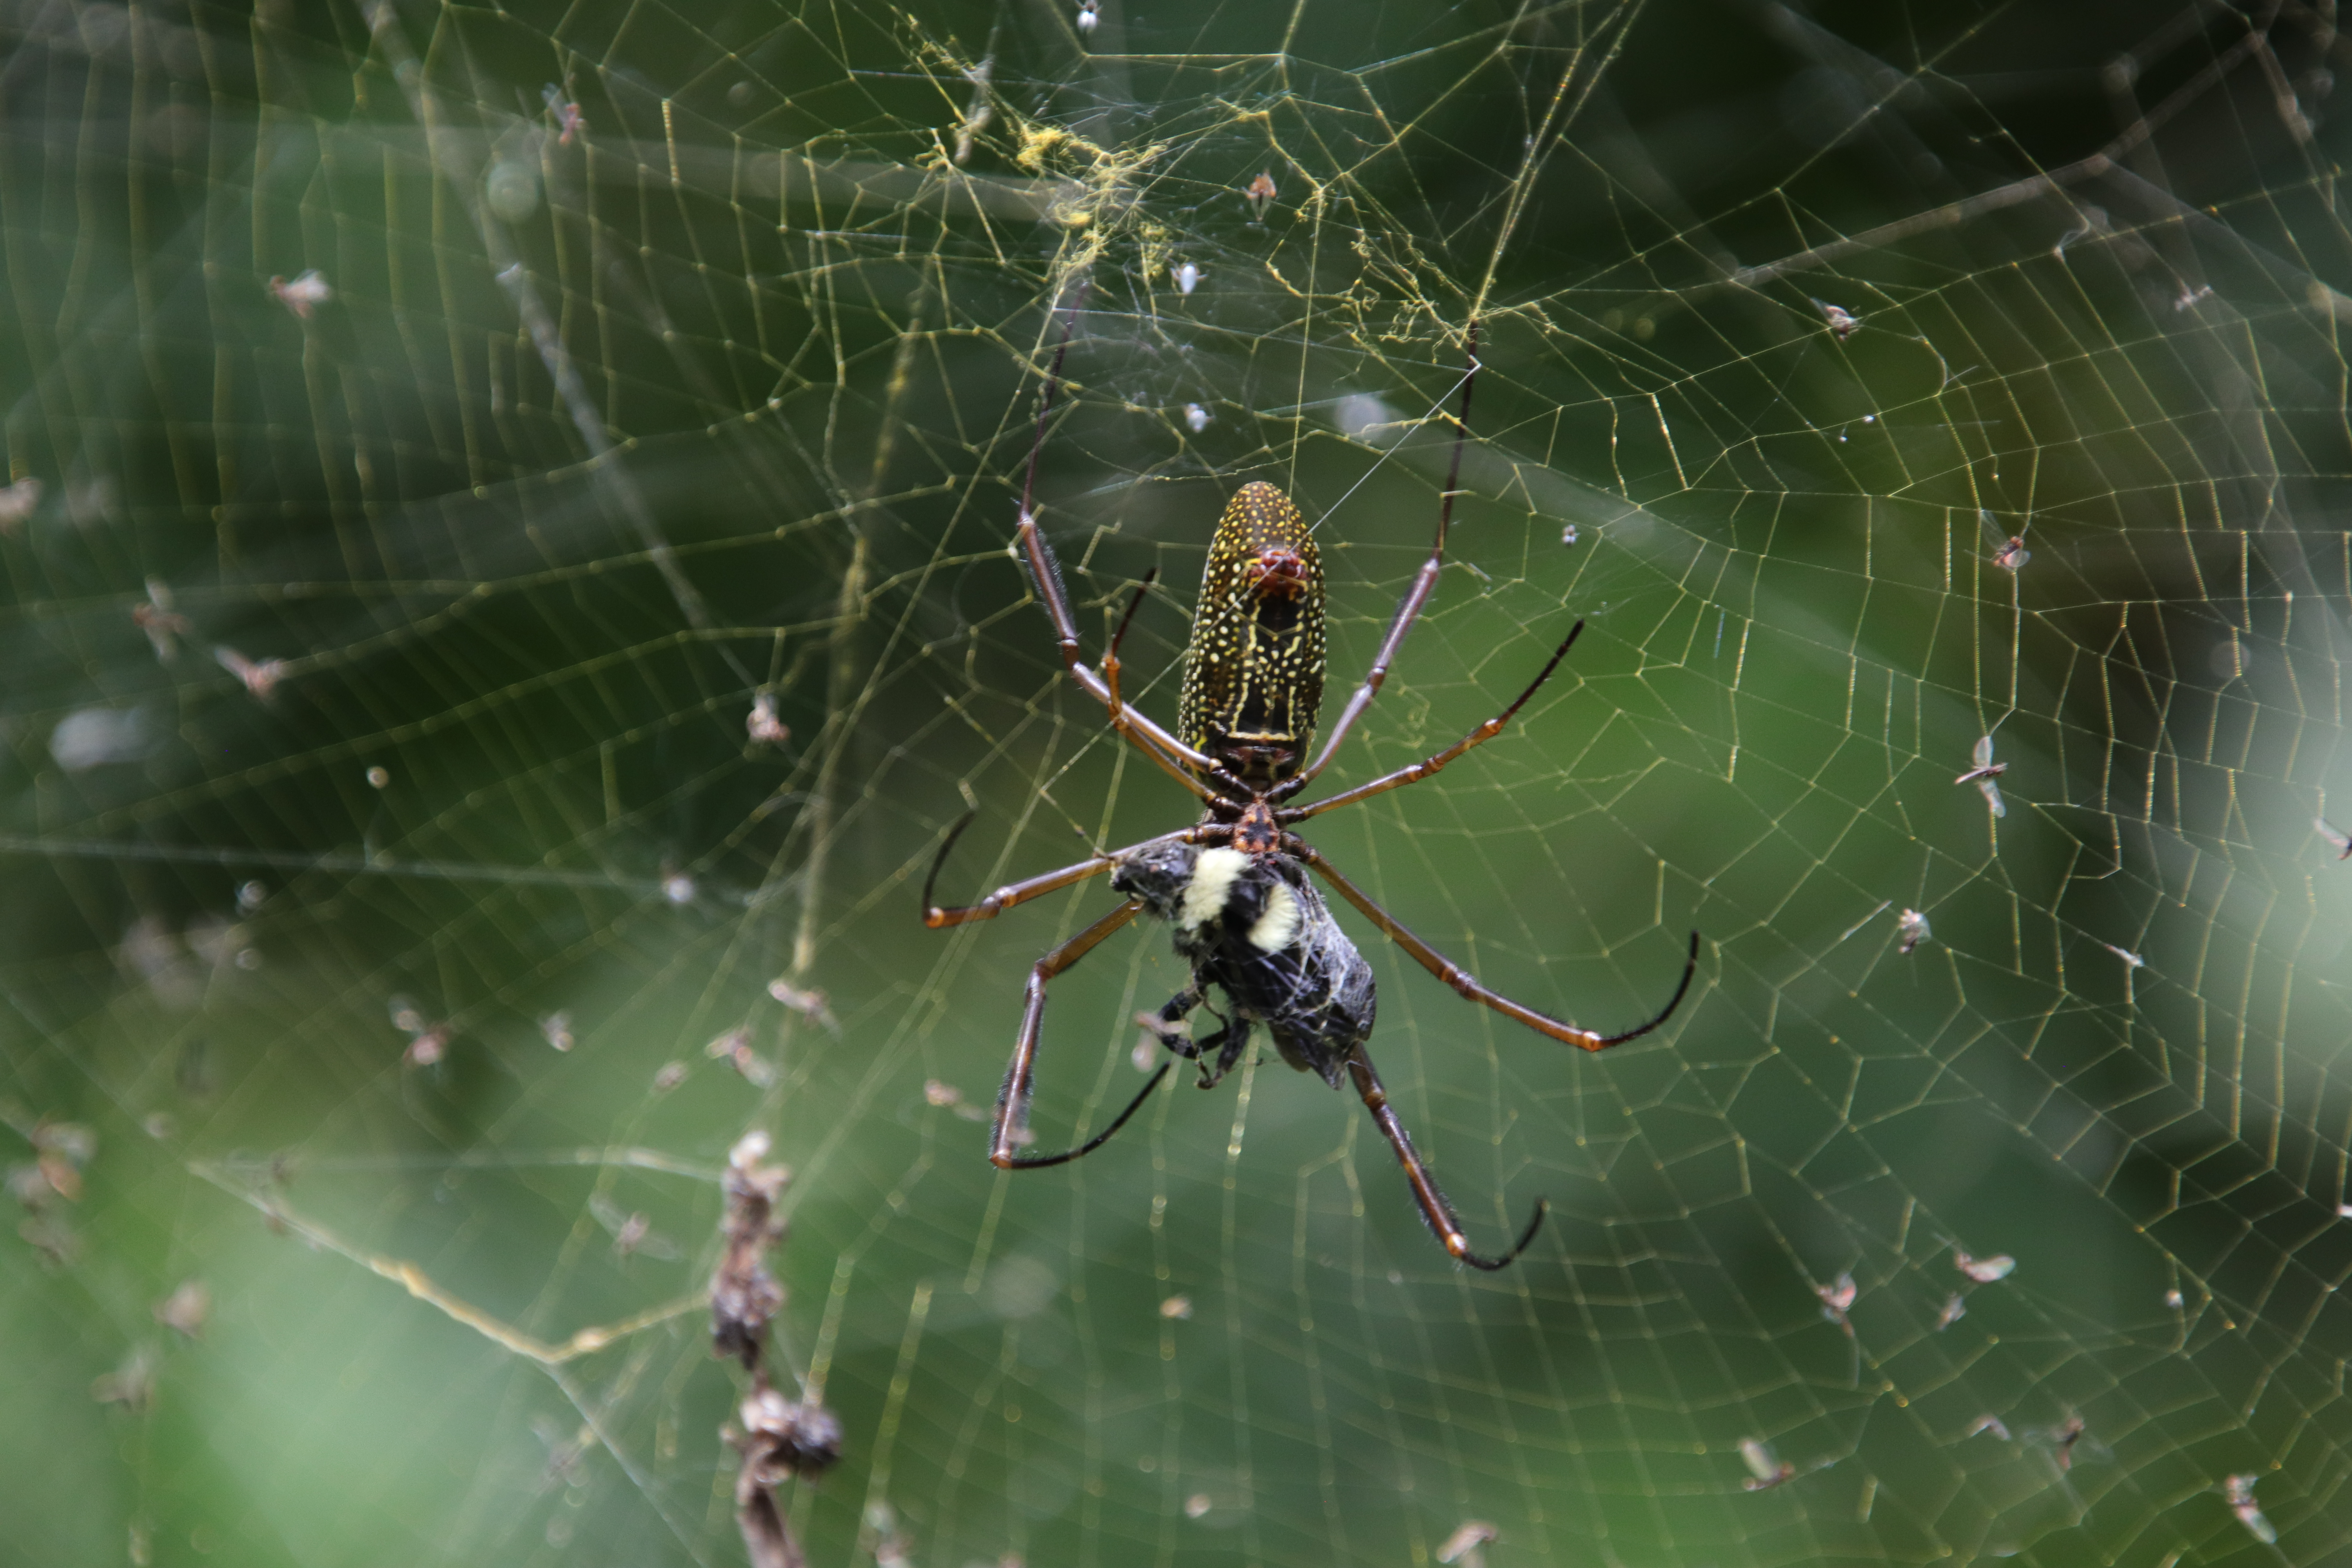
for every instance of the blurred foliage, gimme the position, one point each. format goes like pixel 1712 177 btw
pixel 385 848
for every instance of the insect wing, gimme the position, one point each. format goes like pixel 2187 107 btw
pixel 2339 842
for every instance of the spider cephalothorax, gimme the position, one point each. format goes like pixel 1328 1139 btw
pixel 1233 888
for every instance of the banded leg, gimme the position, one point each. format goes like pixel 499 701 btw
pixel 1178 761
pixel 1021 892
pixel 1421 770
pixel 1012 1123
pixel 1424 583
pixel 1443 1221
pixel 1467 986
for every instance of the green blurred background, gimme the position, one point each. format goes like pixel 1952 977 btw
pixel 595 439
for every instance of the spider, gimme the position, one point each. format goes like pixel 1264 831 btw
pixel 1235 887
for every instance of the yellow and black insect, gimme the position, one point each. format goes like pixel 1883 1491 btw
pixel 1235 887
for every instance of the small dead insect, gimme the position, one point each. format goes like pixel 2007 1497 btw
pixel 1765 1470
pixel 131 1385
pixel 186 1310
pixel 764 727
pixel 2189 299
pixel 260 677
pixel 1910 931
pixel 1955 1309
pixel 1991 1424
pixel 1196 416
pixel 734 1048
pixel 1089 14
pixel 809 1004
pixel 677 887
pixel 1982 775
pixel 632 1232
pixel 2174 1299
pixel 163 625
pixel 568 119
pixel 2063 1438
pixel 947 1097
pixel 1843 323
pixel 2008 552
pixel 1983 1270
pixel 2131 960
pixel 428 1042
pixel 1837 1299
pixel 303 294
pixel 61 1151
pixel 2338 841
pixel 2237 1492
pixel 1261 195
pixel 1464 1545
pixel 556 1030
pixel 1177 1309
pixel 671 1075
pixel 1188 278
pixel 1198 1505
pixel 17 503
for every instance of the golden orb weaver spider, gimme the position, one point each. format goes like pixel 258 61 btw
pixel 1233 887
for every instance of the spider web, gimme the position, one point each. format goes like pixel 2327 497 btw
pixel 399 958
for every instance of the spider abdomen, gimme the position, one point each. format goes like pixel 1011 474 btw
pixel 1255 928
pixel 1253 673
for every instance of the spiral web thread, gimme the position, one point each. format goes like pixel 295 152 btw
pixel 441 902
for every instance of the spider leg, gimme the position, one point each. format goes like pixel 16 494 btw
pixel 1021 1078
pixel 1434 1209
pixel 1012 893
pixel 1178 761
pixel 1421 770
pixel 1424 583
pixel 1467 986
